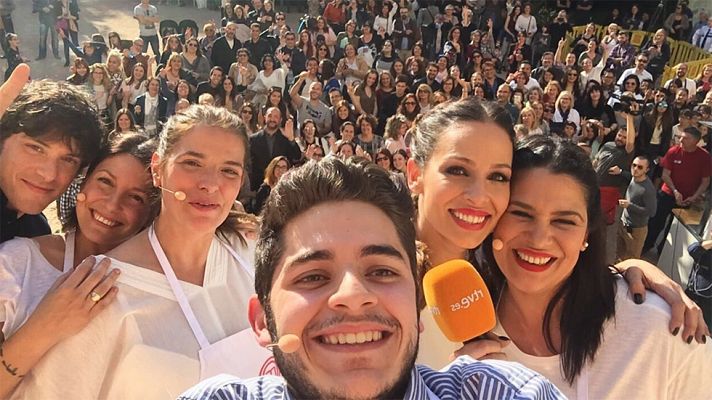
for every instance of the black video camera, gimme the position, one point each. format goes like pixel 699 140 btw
pixel 625 102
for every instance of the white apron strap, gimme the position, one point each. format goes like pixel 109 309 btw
pixel 239 259
pixel 177 290
pixel 68 251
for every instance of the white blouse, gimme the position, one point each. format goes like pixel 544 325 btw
pixel 140 347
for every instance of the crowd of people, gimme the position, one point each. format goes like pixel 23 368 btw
pixel 374 141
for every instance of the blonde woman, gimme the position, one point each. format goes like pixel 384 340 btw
pixel 610 39
pixel 540 123
pixel 273 173
pixel 115 68
pixel 564 112
pixel 424 95
pixel 527 117
pixel 551 92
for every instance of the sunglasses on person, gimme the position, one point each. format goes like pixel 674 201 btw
pixel 379 159
pixel 409 103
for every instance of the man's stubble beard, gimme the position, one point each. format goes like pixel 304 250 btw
pixel 299 386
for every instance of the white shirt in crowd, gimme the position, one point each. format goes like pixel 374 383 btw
pixel 687 83
pixel 533 83
pixel 702 38
pixel 642 75
pixel 526 24
pixel 146 29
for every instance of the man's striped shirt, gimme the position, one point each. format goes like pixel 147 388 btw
pixel 465 378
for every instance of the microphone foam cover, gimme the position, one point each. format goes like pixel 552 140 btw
pixel 497 244
pixel 180 196
pixel 459 300
pixel 289 343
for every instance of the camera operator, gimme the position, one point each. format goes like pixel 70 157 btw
pixel 621 99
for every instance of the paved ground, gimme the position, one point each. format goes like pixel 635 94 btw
pixel 96 16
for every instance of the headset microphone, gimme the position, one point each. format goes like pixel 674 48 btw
pixel 180 196
pixel 497 244
pixel 288 343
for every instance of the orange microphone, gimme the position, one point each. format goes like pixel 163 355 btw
pixel 459 300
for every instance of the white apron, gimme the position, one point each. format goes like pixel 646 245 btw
pixel 216 358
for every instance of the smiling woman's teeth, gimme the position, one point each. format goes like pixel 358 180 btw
pixel 103 220
pixel 469 218
pixel 533 260
pixel 352 338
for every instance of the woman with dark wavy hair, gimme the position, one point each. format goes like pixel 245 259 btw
pixel 48 288
pixel 567 315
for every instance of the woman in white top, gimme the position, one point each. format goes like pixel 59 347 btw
pixel 395 133
pixel 184 282
pixel 323 28
pixel 527 117
pixel 267 78
pixel 44 299
pixel 610 40
pixel 99 85
pixel 383 22
pixel 134 86
pixel 526 22
pixel 462 190
pixel 567 315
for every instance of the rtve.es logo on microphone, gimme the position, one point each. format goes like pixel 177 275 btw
pixel 463 304
pixel 468 300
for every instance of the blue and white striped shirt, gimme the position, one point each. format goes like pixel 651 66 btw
pixel 465 378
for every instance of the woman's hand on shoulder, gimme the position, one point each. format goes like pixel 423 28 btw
pixel 75 299
pixel 485 347
pixel 686 316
